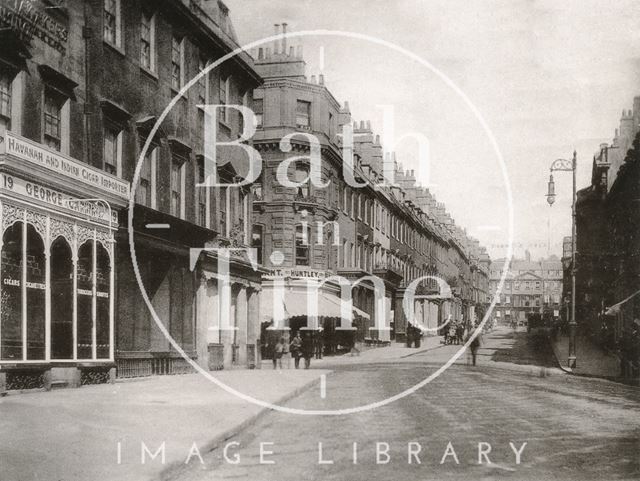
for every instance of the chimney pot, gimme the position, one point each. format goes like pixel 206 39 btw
pixel 292 52
pixel 346 106
pixel 299 51
pixel 313 79
pixel 321 79
pixel 284 38
pixel 362 125
pixel 368 124
pixel 276 31
pixel 260 53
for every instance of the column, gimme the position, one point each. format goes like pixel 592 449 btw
pixel 241 317
pixel 74 258
pixel 202 324
pixel 47 294
pixel 400 318
pixel 94 296
pixel 23 284
pixel 112 278
pixel 253 317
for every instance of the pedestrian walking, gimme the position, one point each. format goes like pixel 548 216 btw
pixel 319 343
pixel 459 333
pixel 296 349
pixel 278 352
pixel 306 348
pixel 474 346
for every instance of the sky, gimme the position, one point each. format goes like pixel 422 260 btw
pixel 547 77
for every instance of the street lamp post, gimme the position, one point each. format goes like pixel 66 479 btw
pixel 564 165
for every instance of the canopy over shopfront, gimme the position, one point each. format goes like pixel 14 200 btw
pixel 295 303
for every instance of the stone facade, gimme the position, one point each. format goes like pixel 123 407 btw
pixel 529 287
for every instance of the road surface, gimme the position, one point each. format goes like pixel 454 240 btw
pixel 469 423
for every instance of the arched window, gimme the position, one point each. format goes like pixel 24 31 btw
pixel 85 301
pixel 36 295
pixel 61 300
pixel 103 293
pixel 11 332
pixel 302 239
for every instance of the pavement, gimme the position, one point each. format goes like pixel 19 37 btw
pixel 591 360
pixel 73 434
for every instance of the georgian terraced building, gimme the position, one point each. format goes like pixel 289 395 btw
pixel 81 85
pixel 367 234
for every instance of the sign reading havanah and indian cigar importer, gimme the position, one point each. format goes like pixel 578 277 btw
pixel 34 153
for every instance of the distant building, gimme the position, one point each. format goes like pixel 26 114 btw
pixel 529 287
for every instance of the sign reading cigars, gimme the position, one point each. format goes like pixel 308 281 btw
pixel 34 153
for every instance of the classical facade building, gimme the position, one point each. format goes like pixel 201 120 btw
pixel 529 287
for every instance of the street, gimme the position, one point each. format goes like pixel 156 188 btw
pixel 470 422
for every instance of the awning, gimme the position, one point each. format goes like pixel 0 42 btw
pixel 296 304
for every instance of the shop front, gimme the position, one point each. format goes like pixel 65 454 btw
pixel 57 271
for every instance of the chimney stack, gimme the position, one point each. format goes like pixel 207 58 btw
pixel 284 38
pixel 276 31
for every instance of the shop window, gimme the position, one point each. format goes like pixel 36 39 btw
pixel 61 300
pixel 257 241
pixel 148 42
pixel 36 294
pixel 112 22
pixel 302 245
pixel 11 294
pixel 85 301
pixel 103 292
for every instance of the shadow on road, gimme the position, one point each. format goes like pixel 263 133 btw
pixel 517 347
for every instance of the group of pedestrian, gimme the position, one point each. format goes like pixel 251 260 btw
pixel 303 346
pixel 454 332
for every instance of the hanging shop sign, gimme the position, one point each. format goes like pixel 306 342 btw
pixel 34 153
pixel 34 191
pixel 28 20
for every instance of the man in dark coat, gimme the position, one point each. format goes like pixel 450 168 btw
pixel 307 348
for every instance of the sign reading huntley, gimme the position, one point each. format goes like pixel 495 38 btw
pixel 25 149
